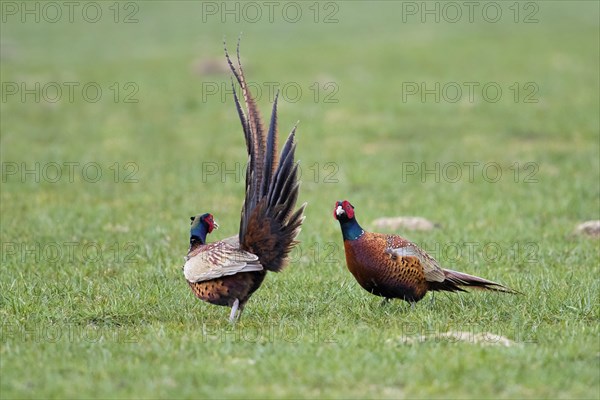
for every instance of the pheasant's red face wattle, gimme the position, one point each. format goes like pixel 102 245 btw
pixel 210 222
pixel 348 208
pixel 343 207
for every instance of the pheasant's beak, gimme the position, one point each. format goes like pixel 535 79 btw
pixel 339 210
pixel 215 225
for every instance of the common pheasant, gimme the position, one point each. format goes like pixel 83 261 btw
pixel 227 272
pixel 393 267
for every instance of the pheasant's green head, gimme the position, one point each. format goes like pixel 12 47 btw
pixel 201 226
pixel 344 213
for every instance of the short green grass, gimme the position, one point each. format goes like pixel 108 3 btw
pixel 92 298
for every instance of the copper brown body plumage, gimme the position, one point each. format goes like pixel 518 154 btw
pixel 225 291
pixel 393 267
pixel 228 272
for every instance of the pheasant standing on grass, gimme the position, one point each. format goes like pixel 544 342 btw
pixel 393 267
pixel 227 272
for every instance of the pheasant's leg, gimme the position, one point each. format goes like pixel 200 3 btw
pixel 432 299
pixel 240 310
pixel 412 306
pixel 234 309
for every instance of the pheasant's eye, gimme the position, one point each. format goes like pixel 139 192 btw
pixel 348 208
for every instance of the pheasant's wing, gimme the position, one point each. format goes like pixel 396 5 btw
pixel 443 279
pixel 218 259
pixel 432 270
pixel 232 241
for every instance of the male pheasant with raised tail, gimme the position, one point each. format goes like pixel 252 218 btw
pixel 227 272
pixel 393 267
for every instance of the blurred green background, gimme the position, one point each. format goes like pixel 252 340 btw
pixel 118 124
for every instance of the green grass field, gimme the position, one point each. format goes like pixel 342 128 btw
pixel 97 190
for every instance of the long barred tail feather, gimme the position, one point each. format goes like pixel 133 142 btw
pixel 457 282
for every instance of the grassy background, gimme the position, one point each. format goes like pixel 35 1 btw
pixel 92 298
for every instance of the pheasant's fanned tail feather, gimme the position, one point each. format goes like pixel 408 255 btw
pixel 268 225
pixel 254 122
pixel 254 117
pixel 250 183
pixel 244 121
pixel 255 142
pixel 270 162
pixel 286 172
pixel 273 136
pixel 272 228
